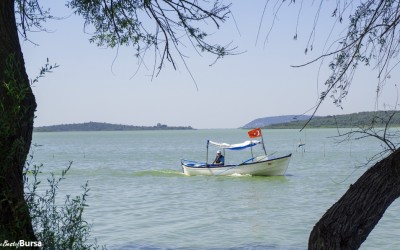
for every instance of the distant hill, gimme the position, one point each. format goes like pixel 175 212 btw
pixel 353 120
pixel 266 121
pixel 99 126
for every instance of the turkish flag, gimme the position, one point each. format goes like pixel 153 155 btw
pixel 254 133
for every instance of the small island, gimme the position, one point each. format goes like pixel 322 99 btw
pixel 102 126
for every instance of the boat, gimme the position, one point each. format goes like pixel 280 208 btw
pixel 261 165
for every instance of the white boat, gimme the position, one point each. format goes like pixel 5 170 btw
pixel 263 165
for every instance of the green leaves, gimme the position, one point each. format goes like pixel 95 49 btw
pixel 30 16
pixel 159 24
pixel 372 38
pixel 47 68
pixel 58 225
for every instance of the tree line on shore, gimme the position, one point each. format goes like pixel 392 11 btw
pixel 102 126
pixel 354 120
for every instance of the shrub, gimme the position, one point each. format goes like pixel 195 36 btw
pixel 57 225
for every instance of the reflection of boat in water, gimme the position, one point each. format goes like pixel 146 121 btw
pixel 263 165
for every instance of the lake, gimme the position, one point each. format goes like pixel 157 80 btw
pixel 139 199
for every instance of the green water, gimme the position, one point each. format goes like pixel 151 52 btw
pixel 139 198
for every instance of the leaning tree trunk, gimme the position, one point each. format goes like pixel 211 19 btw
pixel 17 107
pixel 347 224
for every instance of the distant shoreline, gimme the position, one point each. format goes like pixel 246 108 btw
pixel 354 120
pixel 102 126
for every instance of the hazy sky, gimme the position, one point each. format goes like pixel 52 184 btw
pixel 96 84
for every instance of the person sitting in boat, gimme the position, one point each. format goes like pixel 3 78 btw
pixel 219 159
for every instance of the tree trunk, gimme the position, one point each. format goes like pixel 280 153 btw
pixel 347 224
pixel 17 107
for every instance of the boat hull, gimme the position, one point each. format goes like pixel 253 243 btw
pixel 262 166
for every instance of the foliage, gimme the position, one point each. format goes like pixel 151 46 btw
pixel 30 16
pixel 123 23
pixel 47 68
pixel 57 225
pixel 143 25
pixel 372 38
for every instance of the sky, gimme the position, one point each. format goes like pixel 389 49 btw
pixel 107 85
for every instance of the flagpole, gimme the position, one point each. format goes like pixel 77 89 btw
pixel 262 140
pixel 208 142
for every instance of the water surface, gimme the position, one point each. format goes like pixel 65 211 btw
pixel 139 199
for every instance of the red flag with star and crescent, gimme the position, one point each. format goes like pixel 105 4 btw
pixel 254 133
